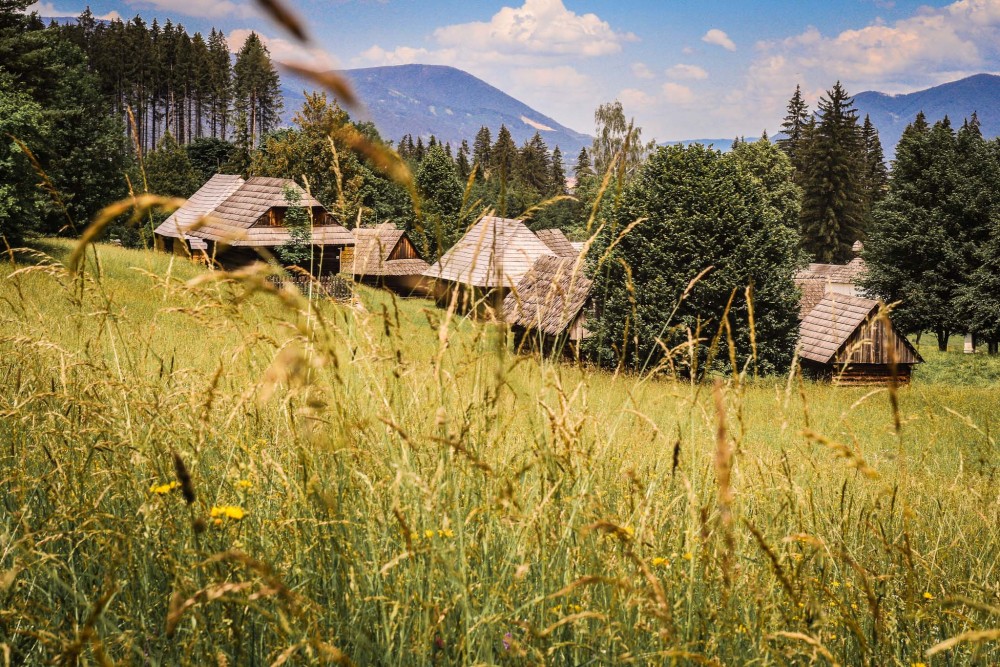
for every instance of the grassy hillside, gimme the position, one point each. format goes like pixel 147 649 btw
pixel 388 484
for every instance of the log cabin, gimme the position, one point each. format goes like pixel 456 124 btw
pixel 846 339
pixel 384 255
pixel 229 220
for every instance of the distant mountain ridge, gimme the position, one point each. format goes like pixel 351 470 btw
pixel 891 114
pixel 422 100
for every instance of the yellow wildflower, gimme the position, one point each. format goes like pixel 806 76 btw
pixel 428 533
pixel 928 596
pixel 630 531
pixel 244 484
pixel 919 664
pixel 447 532
pixel 227 511
pixel 661 562
pixel 163 489
pixel 688 556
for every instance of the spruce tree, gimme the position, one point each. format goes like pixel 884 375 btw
pixel 557 179
pixel 220 83
pixel 794 127
pixel 481 157
pixel 915 249
pixel 832 217
pixel 583 167
pixel 503 165
pixel 534 168
pixel 462 161
pixel 876 175
pixel 256 88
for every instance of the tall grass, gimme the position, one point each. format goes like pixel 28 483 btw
pixel 412 493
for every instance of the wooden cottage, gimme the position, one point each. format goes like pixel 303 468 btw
pixel 843 339
pixel 492 257
pixel 548 306
pixel 557 242
pixel 228 219
pixel 384 255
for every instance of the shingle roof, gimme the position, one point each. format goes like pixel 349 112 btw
pixel 230 207
pixel 834 273
pixel 830 324
pixel 372 249
pixel 557 243
pixel 495 252
pixel 209 196
pixel 549 296
pixel 813 291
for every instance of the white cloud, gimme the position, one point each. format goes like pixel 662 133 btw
pixel 633 98
pixel 541 27
pixel 719 38
pixel 692 72
pixel 642 71
pixel 675 93
pixel 49 10
pixel 283 50
pixel 548 77
pixel 200 8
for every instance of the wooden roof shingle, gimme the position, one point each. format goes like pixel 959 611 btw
pixel 549 297
pixel 373 248
pixel 851 272
pixel 830 324
pixel 495 252
pixel 200 204
pixel 813 291
pixel 227 210
pixel 557 243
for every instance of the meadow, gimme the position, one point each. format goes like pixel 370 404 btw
pixel 197 468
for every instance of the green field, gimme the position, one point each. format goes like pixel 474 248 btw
pixel 391 485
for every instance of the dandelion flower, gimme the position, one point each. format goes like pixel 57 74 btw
pixel 227 511
pixel 688 556
pixel 928 596
pixel 428 533
pixel 447 532
pixel 659 561
pixel 244 485
pixel 163 489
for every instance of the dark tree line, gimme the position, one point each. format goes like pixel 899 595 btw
pixel 935 239
pixel 174 82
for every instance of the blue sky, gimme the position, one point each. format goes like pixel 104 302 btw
pixel 710 69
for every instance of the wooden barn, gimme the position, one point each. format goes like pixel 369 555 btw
pixel 548 306
pixel 491 258
pixel 384 256
pixel 842 338
pixel 229 218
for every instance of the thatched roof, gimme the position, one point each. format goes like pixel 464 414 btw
pixel 373 250
pixel 557 243
pixel 549 297
pixel 495 252
pixel 234 219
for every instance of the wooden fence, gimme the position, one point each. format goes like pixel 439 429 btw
pixel 330 286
